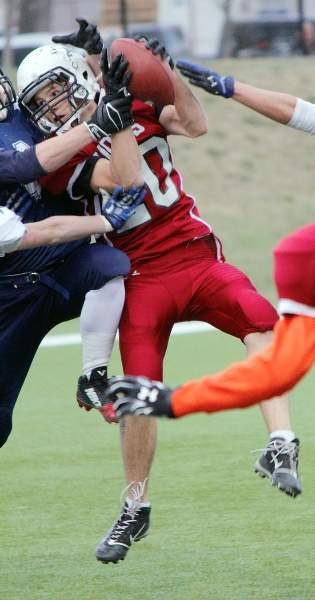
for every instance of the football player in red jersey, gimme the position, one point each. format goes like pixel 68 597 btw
pixel 178 273
pixel 273 371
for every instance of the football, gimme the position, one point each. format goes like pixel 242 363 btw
pixel 152 78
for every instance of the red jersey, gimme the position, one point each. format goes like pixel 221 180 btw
pixel 168 216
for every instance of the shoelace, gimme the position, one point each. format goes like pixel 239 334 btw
pixel 135 489
pixel 129 513
pixel 126 518
pixel 279 447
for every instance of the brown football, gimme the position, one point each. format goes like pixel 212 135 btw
pixel 152 78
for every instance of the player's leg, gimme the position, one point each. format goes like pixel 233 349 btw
pixel 244 313
pixel 144 332
pixel 30 309
pixel 279 460
pixel 99 268
pixel 99 322
pixel 22 327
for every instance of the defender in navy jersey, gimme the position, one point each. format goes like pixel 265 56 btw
pixel 41 287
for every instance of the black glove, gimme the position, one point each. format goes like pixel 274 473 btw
pixel 116 78
pixel 211 81
pixel 122 204
pixel 139 396
pixel 156 48
pixel 88 37
pixel 113 114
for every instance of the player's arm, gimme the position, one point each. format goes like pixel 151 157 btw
pixel 110 117
pixel 60 229
pixel 262 376
pixel 124 166
pixel 283 108
pixel 45 157
pixel 186 117
pixel 55 152
pixel 275 105
pixel 15 235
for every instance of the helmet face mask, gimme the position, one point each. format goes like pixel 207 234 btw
pixel 7 95
pixel 66 94
pixel 54 84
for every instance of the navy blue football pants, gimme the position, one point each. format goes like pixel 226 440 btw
pixel 29 310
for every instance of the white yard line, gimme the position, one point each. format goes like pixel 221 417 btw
pixel 74 339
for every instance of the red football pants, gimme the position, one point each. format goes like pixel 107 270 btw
pixel 187 284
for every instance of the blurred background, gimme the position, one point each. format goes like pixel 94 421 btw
pixel 199 28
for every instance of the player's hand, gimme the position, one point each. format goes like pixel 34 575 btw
pixel 87 37
pixel 116 77
pixel 122 204
pixel 212 82
pixel 111 116
pixel 106 410
pixel 139 396
pixel 156 47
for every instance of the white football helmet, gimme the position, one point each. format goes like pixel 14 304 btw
pixel 66 67
pixel 7 95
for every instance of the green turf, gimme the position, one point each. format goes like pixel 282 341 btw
pixel 218 531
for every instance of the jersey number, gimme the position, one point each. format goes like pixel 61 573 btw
pixel 166 197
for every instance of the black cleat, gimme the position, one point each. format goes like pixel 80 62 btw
pixel 91 390
pixel 279 462
pixel 91 394
pixel 131 526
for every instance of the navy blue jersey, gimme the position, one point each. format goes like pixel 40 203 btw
pixel 19 191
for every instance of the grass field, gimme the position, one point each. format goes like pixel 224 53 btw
pixel 218 531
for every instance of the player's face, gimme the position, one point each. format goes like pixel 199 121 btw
pixel 56 96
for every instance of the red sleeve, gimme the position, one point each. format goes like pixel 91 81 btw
pixel 269 373
pixel 58 181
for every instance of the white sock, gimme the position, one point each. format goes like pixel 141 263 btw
pixel 131 502
pixel 285 434
pixel 99 323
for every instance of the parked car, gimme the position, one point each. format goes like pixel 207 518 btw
pixel 265 27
